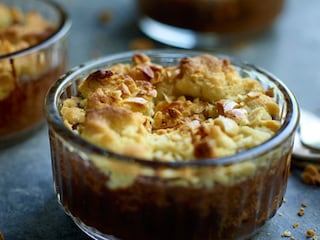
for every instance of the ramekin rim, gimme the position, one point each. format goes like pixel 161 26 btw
pixel 287 128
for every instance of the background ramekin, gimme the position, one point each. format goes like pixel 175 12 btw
pixel 23 110
pixel 207 24
pixel 110 196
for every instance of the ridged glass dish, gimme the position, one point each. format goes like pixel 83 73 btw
pixel 113 196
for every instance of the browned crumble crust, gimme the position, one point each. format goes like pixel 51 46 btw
pixel 201 108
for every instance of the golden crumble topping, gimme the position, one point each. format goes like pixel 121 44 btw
pixel 311 174
pixel 199 108
pixel 19 31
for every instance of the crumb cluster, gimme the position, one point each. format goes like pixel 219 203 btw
pixel 311 175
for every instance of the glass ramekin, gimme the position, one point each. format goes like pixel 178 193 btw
pixel 22 109
pixel 111 196
pixel 206 23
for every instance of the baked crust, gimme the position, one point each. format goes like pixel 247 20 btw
pixel 200 108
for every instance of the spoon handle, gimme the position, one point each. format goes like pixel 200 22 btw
pixel 309 130
pixel 305 150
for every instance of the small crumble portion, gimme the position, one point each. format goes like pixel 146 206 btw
pixel 310 233
pixel 200 108
pixel 311 175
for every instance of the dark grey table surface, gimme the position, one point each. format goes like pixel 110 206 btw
pixel 291 50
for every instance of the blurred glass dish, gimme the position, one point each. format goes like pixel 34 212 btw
pixel 32 55
pixel 206 23
pixel 110 195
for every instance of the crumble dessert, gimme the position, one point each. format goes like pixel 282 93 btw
pixel 200 109
pixel 25 75
pixel 164 113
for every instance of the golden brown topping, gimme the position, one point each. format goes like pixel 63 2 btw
pixel 139 59
pixel 311 175
pixel 100 74
pixel 200 108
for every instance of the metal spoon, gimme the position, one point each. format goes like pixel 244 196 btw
pixel 306 147
pixel 309 130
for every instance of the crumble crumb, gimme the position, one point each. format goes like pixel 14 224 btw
pixel 310 233
pixel 311 175
pixel 301 212
pixel 286 234
pixel 295 225
pixel 1 236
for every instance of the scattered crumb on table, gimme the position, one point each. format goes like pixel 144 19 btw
pixel 311 175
